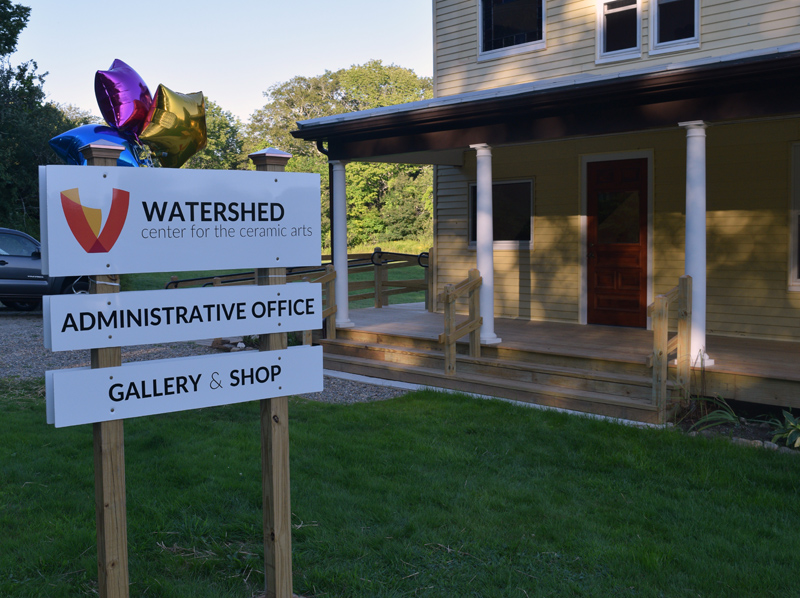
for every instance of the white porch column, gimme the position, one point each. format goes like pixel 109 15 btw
pixel 339 245
pixel 696 235
pixel 484 238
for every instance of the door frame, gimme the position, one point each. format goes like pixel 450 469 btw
pixel 583 221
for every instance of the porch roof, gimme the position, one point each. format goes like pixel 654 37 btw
pixel 437 131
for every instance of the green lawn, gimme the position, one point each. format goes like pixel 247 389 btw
pixel 428 495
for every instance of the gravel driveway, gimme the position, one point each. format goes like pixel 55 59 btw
pixel 22 354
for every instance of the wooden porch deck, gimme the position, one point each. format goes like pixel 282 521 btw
pixel 599 369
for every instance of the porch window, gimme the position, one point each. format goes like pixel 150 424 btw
pixel 794 222
pixel 512 211
pixel 511 26
pixel 618 27
pixel 675 25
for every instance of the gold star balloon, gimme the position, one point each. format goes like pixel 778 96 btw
pixel 175 127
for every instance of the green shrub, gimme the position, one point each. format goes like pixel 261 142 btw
pixel 788 430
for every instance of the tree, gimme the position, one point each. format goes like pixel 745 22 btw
pixel 300 98
pixel 13 19
pixel 27 124
pixel 360 87
pixel 78 116
pixel 373 85
pixel 224 147
pixel 408 206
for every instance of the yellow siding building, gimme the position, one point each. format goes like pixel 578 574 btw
pixel 617 145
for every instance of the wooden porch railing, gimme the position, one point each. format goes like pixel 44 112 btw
pixel 471 326
pixel 324 275
pixel 327 280
pixel 354 261
pixel 380 288
pixel 663 347
pixel 427 261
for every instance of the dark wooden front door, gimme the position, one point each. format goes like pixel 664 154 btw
pixel 617 242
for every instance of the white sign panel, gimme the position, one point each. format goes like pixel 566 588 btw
pixel 145 317
pixel 116 220
pixel 82 396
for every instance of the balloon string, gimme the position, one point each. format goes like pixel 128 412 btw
pixel 110 284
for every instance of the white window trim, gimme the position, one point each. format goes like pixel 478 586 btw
pixel 690 43
pixel 512 50
pixel 627 54
pixel 502 245
pixel 794 214
pixel 583 308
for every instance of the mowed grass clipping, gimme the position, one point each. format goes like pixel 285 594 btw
pixel 427 495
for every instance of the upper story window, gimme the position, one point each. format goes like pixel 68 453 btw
pixel 510 27
pixel 675 25
pixel 618 30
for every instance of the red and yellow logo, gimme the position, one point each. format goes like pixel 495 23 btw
pixel 85 222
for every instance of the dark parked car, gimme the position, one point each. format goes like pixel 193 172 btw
pixel 22 283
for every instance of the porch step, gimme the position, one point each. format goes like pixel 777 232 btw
pixel 632 386
pixel 575 359
pixel 552 396
pixel 387 339
pixel 608 393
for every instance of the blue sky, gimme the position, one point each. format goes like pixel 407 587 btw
pixel 231 51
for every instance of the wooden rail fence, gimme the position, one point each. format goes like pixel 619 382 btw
pixel 324 275
pixel 383 261
pixel 379 288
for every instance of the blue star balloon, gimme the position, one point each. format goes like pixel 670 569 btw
pixel 67 144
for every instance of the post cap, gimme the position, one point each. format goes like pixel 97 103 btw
pixel 101 150
pixel 270 157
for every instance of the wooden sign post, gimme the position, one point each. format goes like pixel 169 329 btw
pixel 275 226
pixel 275 438
pixel 109 445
